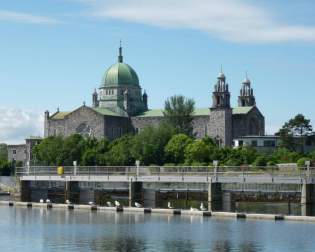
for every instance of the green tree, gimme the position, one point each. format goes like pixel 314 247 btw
pixel 73 149
pixel 149 144
pixel 90 157
pixel 197 152
pixel 49 151
pixel 3 152
pixel 178 112
pixel 175 148
pixel 120 152
pixel 298 126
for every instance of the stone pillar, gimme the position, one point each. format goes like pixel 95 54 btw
pixel 307 199
pixel 72 191
pixel 135 193
pixel 25 187
pixel 215 196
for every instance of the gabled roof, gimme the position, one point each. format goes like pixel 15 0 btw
pixel 103 111
pixel 59 115
pixel 242 110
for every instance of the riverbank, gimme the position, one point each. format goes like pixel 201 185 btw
pixel 161 211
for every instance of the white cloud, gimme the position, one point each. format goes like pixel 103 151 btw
pixel 232 20
pixel 17 124
pixel 21 17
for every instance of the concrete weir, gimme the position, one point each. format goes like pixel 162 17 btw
pixel 161 211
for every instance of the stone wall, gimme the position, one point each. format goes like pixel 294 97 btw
pixel 200 126
pixel 220 125
pixel 17 153
pixel 249 124
pixel 139 123
pixel 84 120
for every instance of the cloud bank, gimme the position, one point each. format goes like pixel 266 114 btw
pixel 20 17
pixel 231 20
pixel 17 124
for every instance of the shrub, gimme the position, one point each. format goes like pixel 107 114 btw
pixel 301 161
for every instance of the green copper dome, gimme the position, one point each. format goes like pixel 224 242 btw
pixel 120 74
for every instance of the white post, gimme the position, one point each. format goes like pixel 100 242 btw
pixel 137 167
pixel 308 164
pixel 75 168
pixel 215 170
pixel 28 167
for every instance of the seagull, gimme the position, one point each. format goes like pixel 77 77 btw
pixel 193 209
pixel 47 200
pixel 109 204
pixel 202 207
pixel 41 201
pixel 169 205
pixel 117 204
pixel 68 202
pixel 138 204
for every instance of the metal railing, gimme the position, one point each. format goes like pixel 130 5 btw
pixel 159 171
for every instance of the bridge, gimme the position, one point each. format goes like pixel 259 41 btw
pixel 210 179
pixel 166 174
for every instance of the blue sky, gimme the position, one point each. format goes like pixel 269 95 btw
pixel 54 53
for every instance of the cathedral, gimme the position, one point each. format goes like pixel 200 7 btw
pixel 120 106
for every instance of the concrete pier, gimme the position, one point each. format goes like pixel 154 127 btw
pixel 215 196
pixel 25 190
pixel 135 193
pixel 72 191
pixel 307 198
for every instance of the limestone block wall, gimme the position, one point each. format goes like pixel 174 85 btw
pixel 220 125
pixel 200 126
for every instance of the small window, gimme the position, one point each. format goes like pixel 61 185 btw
pixel 269 143
pixel 254 143
pixel 14 152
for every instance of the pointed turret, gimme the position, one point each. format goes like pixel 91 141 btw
pixel 246 97
pixel 221 94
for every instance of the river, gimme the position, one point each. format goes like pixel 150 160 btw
pixel 35 229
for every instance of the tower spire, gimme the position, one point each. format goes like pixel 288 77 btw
pixel 120 57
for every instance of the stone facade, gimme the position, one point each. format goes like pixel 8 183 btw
pixel 23 152
pixel 120 107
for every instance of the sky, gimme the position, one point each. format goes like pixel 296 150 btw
pixel 53 54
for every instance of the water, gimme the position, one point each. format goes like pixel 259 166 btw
pixel 35 229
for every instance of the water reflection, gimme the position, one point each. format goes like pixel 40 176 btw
pixel 23 229
pixel 178 245
pixel 120 244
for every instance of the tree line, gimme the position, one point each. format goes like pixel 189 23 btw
pixel 172 143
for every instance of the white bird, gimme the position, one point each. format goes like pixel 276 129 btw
pixel 193 209
pixel 41 201
pixel 202 207
pixel 109 204
pixel 47 200
pixel 117 204
pixel 169 205
pixel 68 202
pixel 91 203
pixel 138 204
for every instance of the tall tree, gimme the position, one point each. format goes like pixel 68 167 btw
pixel 298 126
pixel 178 112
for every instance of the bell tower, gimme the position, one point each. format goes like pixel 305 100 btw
pixel 246 97
pixel 220 123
